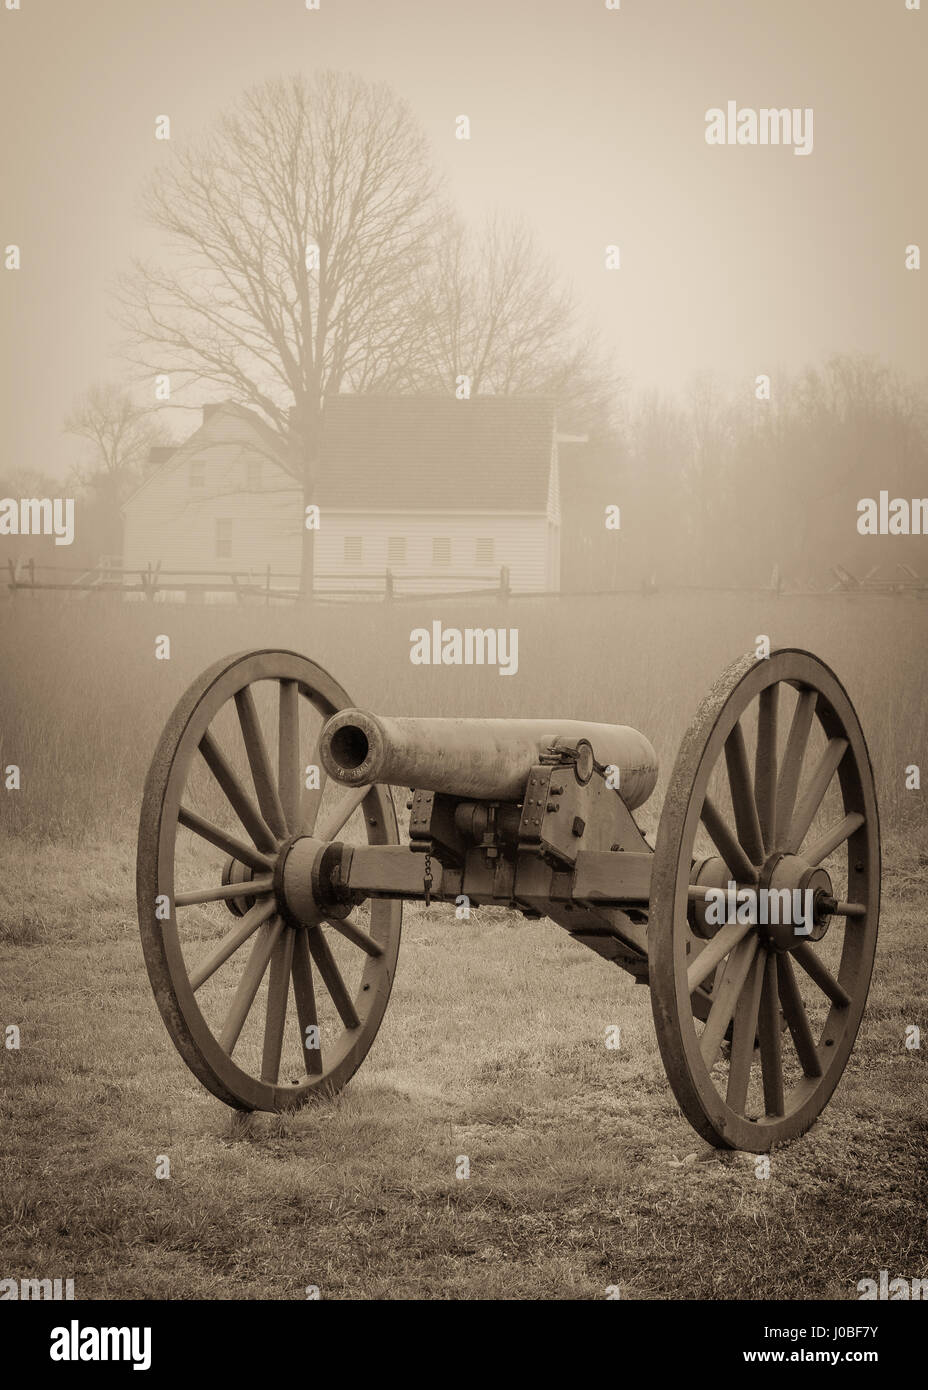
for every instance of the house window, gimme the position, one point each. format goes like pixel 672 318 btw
pixel 396 550
pixel 223 538
pixel 441 550
pixel 198 473
pixel 253 475
pixel 484 550
pixel 354 550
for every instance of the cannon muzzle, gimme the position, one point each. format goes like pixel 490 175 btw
pixel 486 759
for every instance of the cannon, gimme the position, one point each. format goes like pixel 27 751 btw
pixel 271 868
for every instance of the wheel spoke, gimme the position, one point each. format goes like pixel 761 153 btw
pixel 312 801
pixel 356 934
pixel 311 797
pixel 251 888
pixel 723 941
pixel 725 998
pixel 769 1028
pixel 241 802
pixel 821 975
pixel 249 984
pixel 833 838
pixel 305 997
pixel 289 771
pixel 238 849
pixel 796 1018
pixel 742 870
pixel 742 796
pixel 814 793
pixel 338 815
pixel 227 947
pixel 765 765
pixel 744 1036
pixel 325 963
pixel 796 741
pixel 278 990
pixel 259 762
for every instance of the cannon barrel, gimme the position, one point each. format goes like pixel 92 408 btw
pixel 487 759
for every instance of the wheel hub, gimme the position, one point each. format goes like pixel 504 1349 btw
pixel 793 900
pixel 306 881
pixel 799 902
pixel 234 871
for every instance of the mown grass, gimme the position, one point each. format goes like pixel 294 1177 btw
pixel 582 1172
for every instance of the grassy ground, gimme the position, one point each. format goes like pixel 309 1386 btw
pixel 582 1173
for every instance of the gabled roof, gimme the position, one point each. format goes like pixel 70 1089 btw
pixel 208 435
pixel 416 453
pixel 412 453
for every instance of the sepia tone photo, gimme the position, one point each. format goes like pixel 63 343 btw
pixel 464 631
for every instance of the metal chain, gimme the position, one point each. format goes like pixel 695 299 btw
pixel 427 879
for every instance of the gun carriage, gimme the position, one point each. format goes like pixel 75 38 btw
pixel 307 875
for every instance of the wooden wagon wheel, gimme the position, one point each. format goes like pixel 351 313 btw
pixel 787 998
pixel 212 915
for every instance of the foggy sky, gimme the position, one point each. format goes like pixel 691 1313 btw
pixel 589 122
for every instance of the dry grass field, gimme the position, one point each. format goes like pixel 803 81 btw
pixel 583 1173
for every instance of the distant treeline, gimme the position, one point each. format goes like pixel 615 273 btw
pixel 718 486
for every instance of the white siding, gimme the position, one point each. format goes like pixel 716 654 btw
pixel 521 542
pixel 173 522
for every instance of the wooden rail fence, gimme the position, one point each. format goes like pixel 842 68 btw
pixel 153 582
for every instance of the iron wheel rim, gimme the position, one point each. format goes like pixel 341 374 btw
pixel 703 746
pixel 168 972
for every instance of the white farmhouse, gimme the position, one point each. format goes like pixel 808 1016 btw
pixel 442 494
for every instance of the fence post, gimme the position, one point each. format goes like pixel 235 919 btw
pixel 504 589
pixel 388 586
pixel 267 596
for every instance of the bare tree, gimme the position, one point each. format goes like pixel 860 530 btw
pixel 120 433
pixel 492 309
pixel 294 228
